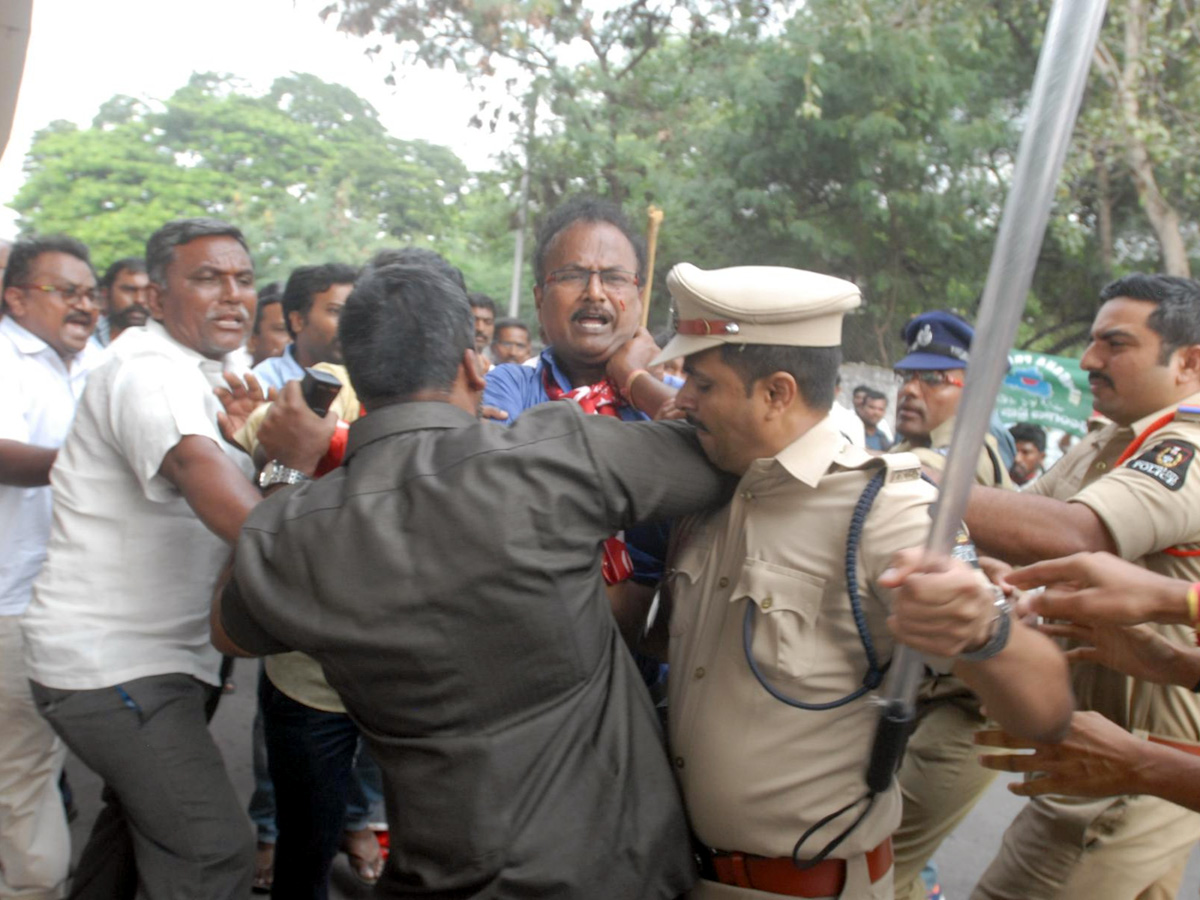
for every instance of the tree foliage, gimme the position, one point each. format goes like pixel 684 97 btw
pixel 872 139
pixel 868 138
pixel 306 169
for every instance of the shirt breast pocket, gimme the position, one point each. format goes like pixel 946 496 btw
pixel 681 579
pixel 786 617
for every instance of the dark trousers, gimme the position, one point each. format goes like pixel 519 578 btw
pixel 172 826
pixel 310 754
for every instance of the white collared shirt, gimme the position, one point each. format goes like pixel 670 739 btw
pixel 130 570
pixel 37 404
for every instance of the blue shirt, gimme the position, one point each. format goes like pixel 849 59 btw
pixel 877 441
pixel 515 388
pixel 277 371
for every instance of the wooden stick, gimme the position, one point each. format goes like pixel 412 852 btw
pixel 655 217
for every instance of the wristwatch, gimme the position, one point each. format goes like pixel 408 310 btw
pixel 1000 630
pixel 276 472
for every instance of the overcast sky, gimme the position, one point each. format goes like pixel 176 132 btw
pixel 81 52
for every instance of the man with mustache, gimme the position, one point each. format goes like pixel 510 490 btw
pixel 483 310
pixel 1126 489
pixel 940 779
pixel 125 288
pixel 588 265
pixel 781 600
pixel 147 499
pixel 50 307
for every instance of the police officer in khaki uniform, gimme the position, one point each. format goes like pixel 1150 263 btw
pixel 940 777
pixel 1126 488
pixel 771 656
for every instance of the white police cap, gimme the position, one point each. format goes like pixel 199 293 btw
pixel 755 305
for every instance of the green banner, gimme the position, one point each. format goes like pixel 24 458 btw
pixel 1051 391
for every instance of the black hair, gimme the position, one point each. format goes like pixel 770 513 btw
pixel 814 368
pixel 160 249
pixel 306 282
pixel 25 252
pixel 861 387
pixel 133 264
pixel 1177 319
pixel 584 209
pixel 512 323
pixel 872 394
pixel 268 295
pixel 1026 431
pixel 417 256
pixel 481 301
pixel 404 329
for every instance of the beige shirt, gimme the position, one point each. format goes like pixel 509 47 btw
pixel 934 456
pixel 295 674
pixel 1148 504
pixel 756 772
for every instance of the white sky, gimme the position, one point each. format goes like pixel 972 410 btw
pixel 82 52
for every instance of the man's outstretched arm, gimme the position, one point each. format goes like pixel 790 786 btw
pixel 1023 528
pixel 1097 758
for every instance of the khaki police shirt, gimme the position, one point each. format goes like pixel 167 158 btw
pixel 755 772
pixel 989 470
pixel 1148 504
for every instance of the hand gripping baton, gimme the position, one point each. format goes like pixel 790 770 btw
pixel 1058 85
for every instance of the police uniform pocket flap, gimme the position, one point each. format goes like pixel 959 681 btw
pixel 689 561
pixel 788 607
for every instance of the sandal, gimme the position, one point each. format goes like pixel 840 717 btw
pixel 364 854
pixel 264 868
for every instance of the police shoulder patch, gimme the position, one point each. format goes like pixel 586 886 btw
pixel 1167 463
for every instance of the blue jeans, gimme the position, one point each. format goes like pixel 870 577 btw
pixel 311 757
pixel 365 804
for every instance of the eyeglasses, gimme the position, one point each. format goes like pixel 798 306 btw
pixel 72 293
pixel 578 277
pixel 927 377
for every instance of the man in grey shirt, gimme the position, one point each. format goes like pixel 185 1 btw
pixel 447 578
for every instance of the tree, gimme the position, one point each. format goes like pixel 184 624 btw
pixel 307 170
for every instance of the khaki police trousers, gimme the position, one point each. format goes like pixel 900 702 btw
pixel 1117 848
pixel 941 779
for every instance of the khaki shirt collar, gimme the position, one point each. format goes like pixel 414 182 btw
pixel 1146 421
pixel 402 417
pixel 809 457
pixel 941 436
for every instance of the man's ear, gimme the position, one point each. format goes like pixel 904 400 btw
pixel 779 391
pixel 296 322
pixel 473 370
pixel 14 302
pixel 1189 363
pixel 154 302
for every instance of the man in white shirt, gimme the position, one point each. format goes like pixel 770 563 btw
pixel 148 497
pixel 50 309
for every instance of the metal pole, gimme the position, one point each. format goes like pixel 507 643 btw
pixel 1062 73
pixel 514 295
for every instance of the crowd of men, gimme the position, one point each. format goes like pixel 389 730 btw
pixel 478 606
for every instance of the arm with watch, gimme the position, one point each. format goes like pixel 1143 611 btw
pixel 944 607
pixel 293 438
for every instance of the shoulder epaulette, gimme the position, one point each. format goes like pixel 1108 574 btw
pixel 903 466
pixel 1187 414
